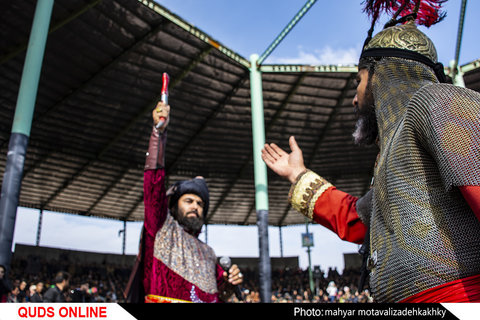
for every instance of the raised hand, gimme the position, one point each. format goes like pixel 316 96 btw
pixel 161 110
pixel 286 165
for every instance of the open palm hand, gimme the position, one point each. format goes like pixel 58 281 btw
pixel 286 165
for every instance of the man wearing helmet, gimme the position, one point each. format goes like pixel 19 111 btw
pixel 173 265
pixel 421 217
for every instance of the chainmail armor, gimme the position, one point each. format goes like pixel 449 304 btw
pixel 423 233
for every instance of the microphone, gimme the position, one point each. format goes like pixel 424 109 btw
pixel 226 263
pixel 164 96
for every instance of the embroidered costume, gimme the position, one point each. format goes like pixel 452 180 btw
pixel 173 265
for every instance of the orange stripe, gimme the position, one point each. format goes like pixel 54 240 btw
pixel 151 298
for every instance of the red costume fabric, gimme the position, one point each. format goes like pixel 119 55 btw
pixel 336 210
pixel 159 279
pixel 463 290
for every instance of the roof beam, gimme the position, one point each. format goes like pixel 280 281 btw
pixel 250 210
pixel 342 96
pixel 19 49
pixel 134 207
pixel 112 64
pixel 132 122
pixel 107 190
pixel 286 101
pixel 307 68
pixel 195 31
pixel 470 66
pixel 171 166
pixel 322 136
pixel 274 119
pixel 284 215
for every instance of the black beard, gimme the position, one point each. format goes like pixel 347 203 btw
pixel 366 128
pixel 192 225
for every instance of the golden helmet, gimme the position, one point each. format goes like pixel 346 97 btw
pixel 404 37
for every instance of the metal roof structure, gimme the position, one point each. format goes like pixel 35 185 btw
pixel 101 78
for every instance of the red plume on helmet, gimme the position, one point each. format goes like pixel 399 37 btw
pixel 425 12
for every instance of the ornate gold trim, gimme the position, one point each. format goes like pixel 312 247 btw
pixel 151 298
pixel 306 191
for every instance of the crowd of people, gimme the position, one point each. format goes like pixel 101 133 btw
pixel 30 280
pixel 293 286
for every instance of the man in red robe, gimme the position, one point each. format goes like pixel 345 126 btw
pixel 173 265
pixel 421 217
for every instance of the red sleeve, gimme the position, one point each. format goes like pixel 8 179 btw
pixel 155 200
pixel 472 196
pixel 336 210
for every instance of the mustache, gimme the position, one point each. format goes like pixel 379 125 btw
pixel 193 211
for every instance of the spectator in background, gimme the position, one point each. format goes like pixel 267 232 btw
pixel 37 295
pixel 82 294
pixel 4 288
pixel 55 293
pixel 31 291
pixel 332 291
pixel 13 295
pixel 22 296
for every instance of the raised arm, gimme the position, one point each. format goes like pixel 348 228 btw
pixel 155 199
pixel 314 196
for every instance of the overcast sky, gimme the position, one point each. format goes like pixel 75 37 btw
pixel 332 32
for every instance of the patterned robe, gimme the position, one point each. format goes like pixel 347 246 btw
pixel 177 264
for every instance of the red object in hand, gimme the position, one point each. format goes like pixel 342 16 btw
pixel 165 80
pixel 164 96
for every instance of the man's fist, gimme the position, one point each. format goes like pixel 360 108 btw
pixel 161 113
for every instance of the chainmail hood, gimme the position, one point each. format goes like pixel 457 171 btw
pixel 394 82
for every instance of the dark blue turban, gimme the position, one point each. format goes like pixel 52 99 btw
pixel 196 186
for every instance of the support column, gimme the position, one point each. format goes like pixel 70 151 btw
pixel 310 273
pixel 124 242
pixel 261 184
pixel 206 233
pixel 39 227
pixel 22 124
pixel 281 240
pixel 457 76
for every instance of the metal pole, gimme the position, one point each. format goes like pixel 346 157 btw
pixel 310 274
pixel 281 240
pixel 260 174
pixel 124 236
pixel 286 30
pixel 22 124
pixel 457 77
pixel 39 227
pixel 206 233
